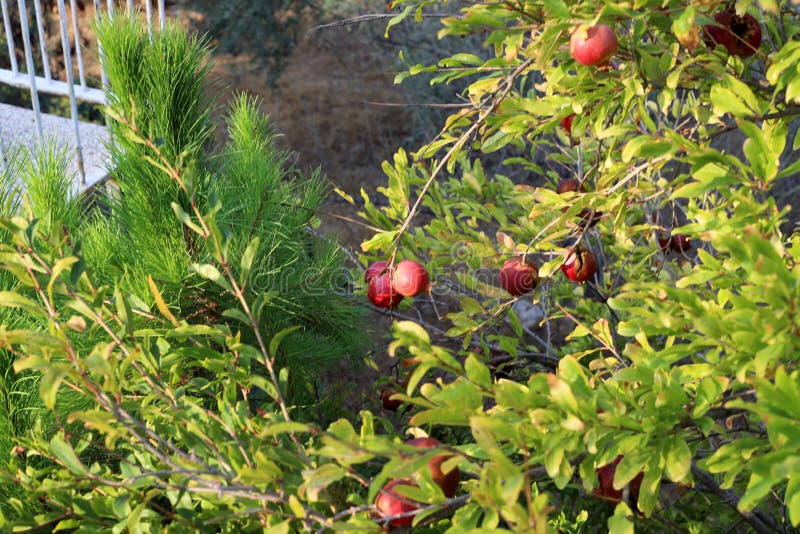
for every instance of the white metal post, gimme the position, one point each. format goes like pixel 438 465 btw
pixel 148 13
pixel 162 13
pixel 73 105
pixel 103 75
pixel 26 41
pixel 76 33
pixel 12 54
pixel 37 6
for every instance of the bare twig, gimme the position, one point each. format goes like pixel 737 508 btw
pixel 369 17
pixel 508 85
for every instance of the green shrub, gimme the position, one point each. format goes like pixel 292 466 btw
pixel 143 255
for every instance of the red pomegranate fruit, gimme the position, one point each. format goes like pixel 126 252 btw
pixel 593 45
pixel 382 293
pixel 519 276
pixel 410 278
pixel 580 265
pixel 448 482
pixel 390 503
pixel 740 35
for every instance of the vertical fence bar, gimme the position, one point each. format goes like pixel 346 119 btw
pixel 9 37
pixel 111 8
pixel 130 7
pixel 103 76
pixel 162 14
pixel 37 6
pixel 148 12
pixel 77 34
pixel 73 105
pixel 26 41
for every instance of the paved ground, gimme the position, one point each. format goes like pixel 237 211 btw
pixel 18 128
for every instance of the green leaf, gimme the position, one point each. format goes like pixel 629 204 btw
pixel 792 499
pixel 770 6
pixel 764 161
pixel 549 267
pixel 124 311
pixel 247 258
pixel 51 380
pixel 210 272
pixel 758 487
pixel 159 299
pixel 561 393
pixel 235 313
pixel 696 278
pixel 284 427
pixel 64 452
pixel 278 338
pixel 621 522
pixel 645 146
pixel 477 372
pixel 683 25
pixel 316 480
pixel 59 267
pixel 394 21
pixel 725 100
pixel 558 9
pixel 185 218
pixel 793 90
pixel 380 241
pixel 10 299
pixel 678 459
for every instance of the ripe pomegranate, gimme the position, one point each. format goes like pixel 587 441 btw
pixel 410 278
pixel 606 490
pixel 593 45
pixel 676 243
pixel 374 270
pixel 389 503
pixel 580 265
pixel 387 401
pixel 519 276
pixel 680 243
pixel 381 292
pixel 448 482
pixel 740 35
pixel 566 123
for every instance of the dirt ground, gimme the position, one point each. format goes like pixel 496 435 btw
pixel 335 106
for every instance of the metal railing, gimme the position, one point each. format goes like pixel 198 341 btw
pixel 81 89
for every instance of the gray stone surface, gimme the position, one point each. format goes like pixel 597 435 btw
pixel 18 128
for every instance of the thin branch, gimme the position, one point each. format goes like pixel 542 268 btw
pixel 509 84
pixel 416 104
pixel 369 17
